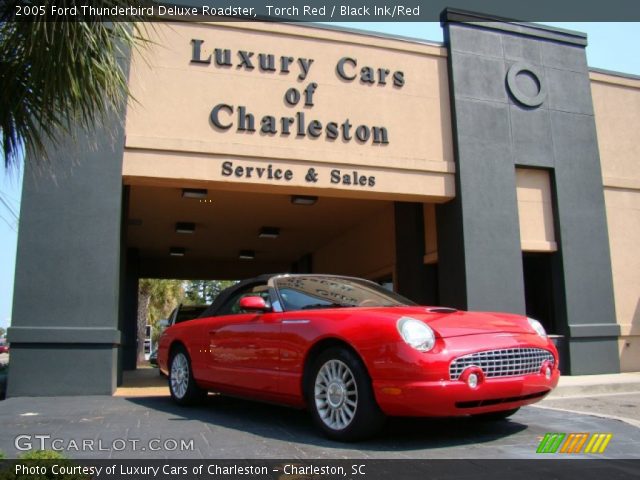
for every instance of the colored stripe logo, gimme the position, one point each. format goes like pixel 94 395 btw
pixel 574 443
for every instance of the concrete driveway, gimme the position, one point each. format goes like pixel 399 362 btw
pixel 153 427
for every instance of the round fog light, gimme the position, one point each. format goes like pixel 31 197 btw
pixel 472 380
pixel 547 373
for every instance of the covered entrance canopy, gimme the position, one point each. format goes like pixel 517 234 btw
pixel 234 235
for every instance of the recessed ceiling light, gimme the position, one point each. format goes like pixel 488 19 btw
pixel 185 227
pixel 269 232
pixel 247 255
pixel 194 193
pixel 303 199
pixel 177 251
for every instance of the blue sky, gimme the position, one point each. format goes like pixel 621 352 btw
pixel 10 184
pixel 612 46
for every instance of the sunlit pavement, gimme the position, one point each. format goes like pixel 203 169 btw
pixel 620 406
pixel 142 422
pixel 231 428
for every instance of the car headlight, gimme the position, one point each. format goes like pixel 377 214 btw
pixel 417 334
pixel 537 326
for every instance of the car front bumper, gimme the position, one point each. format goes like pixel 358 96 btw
pixel 445 398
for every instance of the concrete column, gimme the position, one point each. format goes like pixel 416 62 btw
pixel 64 334
pixel 520 96
pixel 129 317
pixel 412 279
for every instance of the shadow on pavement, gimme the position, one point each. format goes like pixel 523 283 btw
pixel 286 424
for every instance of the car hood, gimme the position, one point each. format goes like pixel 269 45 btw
pixel 454 323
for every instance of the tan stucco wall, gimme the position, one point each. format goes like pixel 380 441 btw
pixel 617 111
pixel 367 250
pixel 169 134
pixel 535 210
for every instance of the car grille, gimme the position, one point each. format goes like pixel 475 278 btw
pixel 506 362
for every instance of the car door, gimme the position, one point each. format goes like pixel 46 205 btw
pixel 243 352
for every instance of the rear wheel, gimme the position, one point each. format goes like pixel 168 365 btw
pixel 341 398
pixel 183 387
pixel 495 416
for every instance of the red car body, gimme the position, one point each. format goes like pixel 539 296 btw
pixel 266 355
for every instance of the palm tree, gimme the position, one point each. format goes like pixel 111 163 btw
pixel 156 299
pixel 56 76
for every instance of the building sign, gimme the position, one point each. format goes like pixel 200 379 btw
pixel 280 107
pixel 241 170
pixel 242 119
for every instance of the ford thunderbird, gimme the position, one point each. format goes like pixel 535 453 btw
pixel 353 353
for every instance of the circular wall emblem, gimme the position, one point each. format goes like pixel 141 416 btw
pixel 525 84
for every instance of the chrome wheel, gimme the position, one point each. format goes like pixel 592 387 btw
pixel 179 375
pixel 336 394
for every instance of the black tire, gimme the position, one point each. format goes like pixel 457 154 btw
pixel 495 416
pixel 345 416
pixel 183 387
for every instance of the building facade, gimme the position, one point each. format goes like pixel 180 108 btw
pixel 495 171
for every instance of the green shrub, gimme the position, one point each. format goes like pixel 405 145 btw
pixel 41 455
pixel 44 459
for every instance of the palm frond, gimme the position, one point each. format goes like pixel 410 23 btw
pixel 57 76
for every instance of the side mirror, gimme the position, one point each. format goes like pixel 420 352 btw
pixel 164 323
pixel 254 304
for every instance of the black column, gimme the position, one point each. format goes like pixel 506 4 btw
pixel 521 96
pixel 303 265
pixel 412 279
pixel 64 334
pixel 129 326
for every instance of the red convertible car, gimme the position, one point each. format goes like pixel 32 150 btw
pixel 353 352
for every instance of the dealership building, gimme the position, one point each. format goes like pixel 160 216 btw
pixel 494 171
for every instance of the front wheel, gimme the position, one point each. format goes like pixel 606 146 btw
pixel 341 397
pixel 183 387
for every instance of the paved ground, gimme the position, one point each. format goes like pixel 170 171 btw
pixel 230 428
pixel 621 406
pixel 610 396
pixel 586 385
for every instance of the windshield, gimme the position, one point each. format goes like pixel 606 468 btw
pixel 189 312
pixel 316 291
